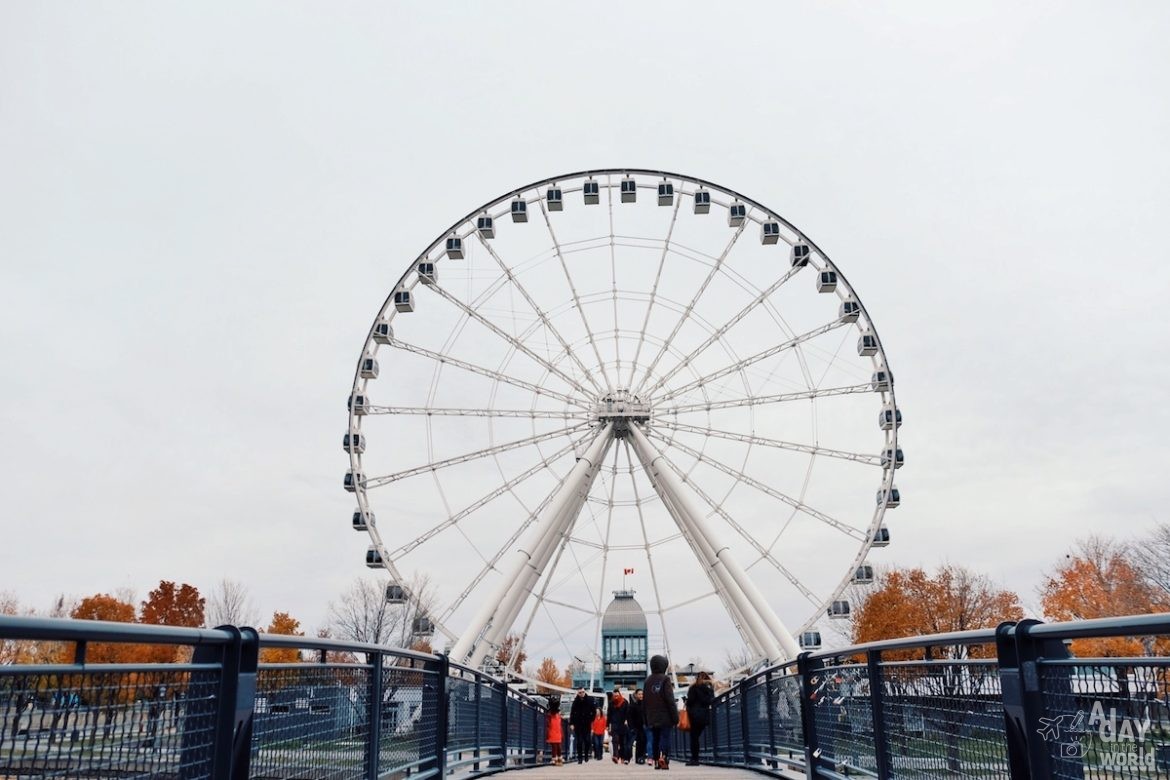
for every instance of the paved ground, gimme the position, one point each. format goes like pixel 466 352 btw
pixel 607 770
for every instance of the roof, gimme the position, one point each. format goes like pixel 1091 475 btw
pixel 624 615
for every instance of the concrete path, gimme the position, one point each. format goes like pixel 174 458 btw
pixel 607 770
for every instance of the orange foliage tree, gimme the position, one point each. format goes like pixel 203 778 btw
pixel 1097 580
pixel 103 606
pixel 511 653
pixel 910 602
pixel 171 605
pixel 285 625
pixel 549 673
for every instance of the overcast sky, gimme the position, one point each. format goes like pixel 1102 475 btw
pixel 203 206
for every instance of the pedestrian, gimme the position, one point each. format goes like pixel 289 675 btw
pixel 581 719
pixel 636 720
pixel 554 736
pixel 700 696
pixel 619 728
pixel 661 711
pixel 599 727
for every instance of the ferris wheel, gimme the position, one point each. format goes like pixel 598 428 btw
pixel 621 370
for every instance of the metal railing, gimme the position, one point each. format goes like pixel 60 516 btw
pixel 82 699
pixel 88 699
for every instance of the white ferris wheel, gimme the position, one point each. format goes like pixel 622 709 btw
pixel 623 369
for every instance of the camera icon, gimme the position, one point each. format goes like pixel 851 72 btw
pixel 1071 750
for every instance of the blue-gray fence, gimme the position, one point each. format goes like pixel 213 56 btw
pixel 84 699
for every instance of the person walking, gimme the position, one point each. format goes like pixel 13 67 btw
pixel 599 727
pixel 636 720
pixel 581 719
pixel 700 697
pixel 661 711
pixel 553 735
pixel 619 728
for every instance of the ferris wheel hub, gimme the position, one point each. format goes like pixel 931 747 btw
pixel 621 407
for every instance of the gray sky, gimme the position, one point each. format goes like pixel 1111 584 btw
pixel 202 208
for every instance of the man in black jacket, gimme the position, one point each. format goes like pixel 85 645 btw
pixel 581 719
pixel 637 720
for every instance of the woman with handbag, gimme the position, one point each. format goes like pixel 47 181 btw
pixel 700 697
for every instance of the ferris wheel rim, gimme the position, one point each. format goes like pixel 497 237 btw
pixel 386 312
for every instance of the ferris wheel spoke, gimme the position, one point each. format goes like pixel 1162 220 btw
pixel 654 292
pixel 617 342
pixel 491 563
pixel 519 345
pixel 690 308
pixel 482 501
pixel 760 400
pixel 800 506
pixel 540 313
pixel 764 553
pixel 375 482
pixel 439 357
pixel 749 361
pixel 441 411
pixel 576 297
pixel 857 457
pixel 722 329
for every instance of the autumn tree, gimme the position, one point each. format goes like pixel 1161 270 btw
pixel 549 673
pixel 1097 580
pixel 103 606
pixel 283 624
pixel 229 604
pixel 510 654
pixel 171 605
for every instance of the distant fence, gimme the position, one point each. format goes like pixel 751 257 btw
pixel 358 711
pixel 1008 703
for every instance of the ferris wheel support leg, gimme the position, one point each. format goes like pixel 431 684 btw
pixel 749 599
pixel 705 554
pixel 469 648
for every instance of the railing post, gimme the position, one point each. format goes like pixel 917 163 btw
pixel 374 716
pixel 195 761
pixel 809 670
pixel 772 704
pixel 745 728
pixel 877 706
pixel 478 719
pixel 442 714
pixel 502 762
pixel 249 661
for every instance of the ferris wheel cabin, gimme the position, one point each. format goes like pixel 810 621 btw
pixel 369 369
pixel 826 281
pixel 403 301
pixel 629 189
pixel 850 310
pixel 838 610
pixel 592 192
pixel 867 344
pixel 881 380
pixel 352 480
pixel 353 442
pixel 799 257
pixel 889 418
pixel 395 594
pixel 485 226
pixel 881 537
pixel 358 402
pixel 455 247
pixel 863 575
pixel 769 232
pixel 383 332
pixel 810 640
pixel 889 498
pixel 665 194
pixel 702 201
pixel 890 455
pixel 736 213
pixel 374 558
pixel 519 210
pixel 422 626
pixel 362 520
pixel 427 274
pixel 555 199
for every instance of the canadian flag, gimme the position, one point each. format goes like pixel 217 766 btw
pixel 627 571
